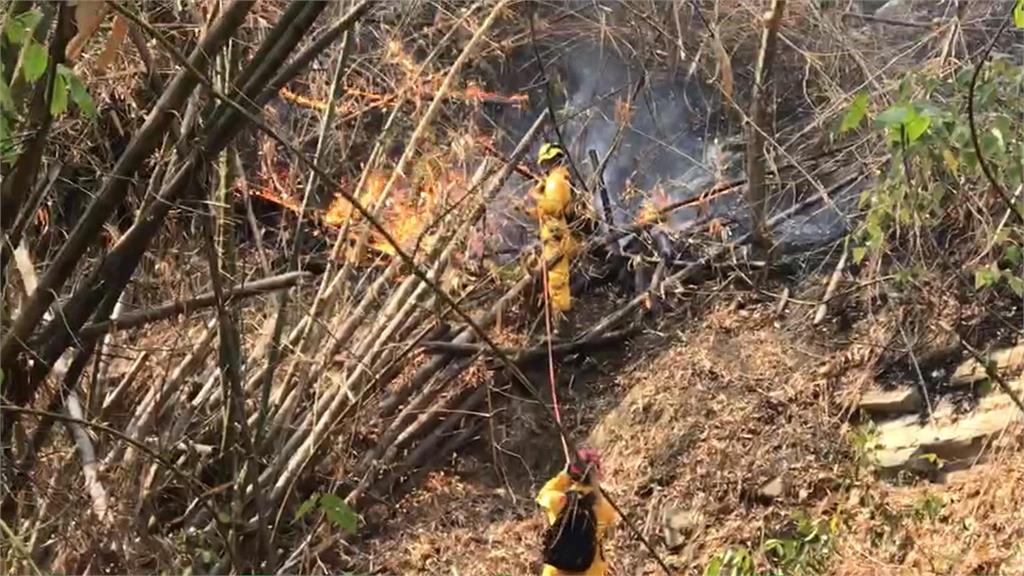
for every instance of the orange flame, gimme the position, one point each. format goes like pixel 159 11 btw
pixel 409 210
pixel 340 209
pixel 650 209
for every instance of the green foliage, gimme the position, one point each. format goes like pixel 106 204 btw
pixel 6 103
pixel 334 508
pixel 59 101
pixel 67 82
pixel 905 123
pixel 79 94
pixel 855 113
pixel 339 513
pixel 864 441
pixel 20 28
pixel 306 507
pixel 34 59
pixel 732 562
pixel 67 86
pixel 934 165
pixel 1018 14
pixel 805 550
pixel 929 507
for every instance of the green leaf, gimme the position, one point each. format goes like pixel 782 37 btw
pixel 339 513
pixel 714 568
pixel 1002 123
pixel 33 63
pixel 992 144
pixel 894 116
pixel 859 252
pixel 984 277
pixel 773 545
pixel 1016 283
pixel 1013 255
pixel 59 101
pixel 306 507
pixel 1018 14
pixel 961 136
pixel 19 28
pixel 916 125
pixel 855 113
pixel 79 94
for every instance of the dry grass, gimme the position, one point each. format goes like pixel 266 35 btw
pixel 697 419
pixel 698 423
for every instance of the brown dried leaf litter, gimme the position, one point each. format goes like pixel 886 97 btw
pixel 699 427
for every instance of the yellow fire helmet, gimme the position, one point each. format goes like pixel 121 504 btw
pixel 549 152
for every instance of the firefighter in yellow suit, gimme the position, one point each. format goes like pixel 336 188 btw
pixel 582 477
pixel 554 198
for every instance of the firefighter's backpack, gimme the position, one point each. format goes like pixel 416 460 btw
pixel 570 543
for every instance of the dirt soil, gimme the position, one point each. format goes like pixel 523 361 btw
pixel 734 423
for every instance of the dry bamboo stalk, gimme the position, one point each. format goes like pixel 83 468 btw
pixel 293 444
pixel 97 391
pixel 41 528
pixel 456 441
pixel 87 454
pixel 464 336
pixel 171 309
pixel 300 457
pixel 323 298
pixel 397 298
pixel 146 415
pixel 386 367
pixel 115 395
pixel 833 283
pixel 525 354
pixel 414 399
pixel 115 185
pixel 325 421
pixel 459 405
pixel 404 300
pixel 428 447
pixel 286 396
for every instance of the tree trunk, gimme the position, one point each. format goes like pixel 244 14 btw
pixel 757 131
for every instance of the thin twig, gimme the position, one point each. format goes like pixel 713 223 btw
pixel 830 289
pixel 917 368
pixel 982 161
pixel 549 99
pixel 990 370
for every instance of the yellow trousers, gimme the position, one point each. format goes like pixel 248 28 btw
pixel 598 568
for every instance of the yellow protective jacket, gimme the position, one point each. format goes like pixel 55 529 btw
pixel 553 201
pixel 552 498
